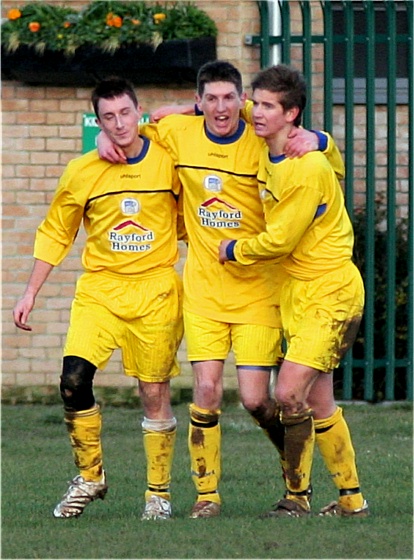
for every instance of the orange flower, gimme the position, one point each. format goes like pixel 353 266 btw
pixel 159 17
pixel 136 21
pixel 113 20
pixel 14 14
pixel 34 26
pixel 116 21
pixel 67 24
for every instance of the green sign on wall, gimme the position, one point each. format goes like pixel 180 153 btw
pixel 90 130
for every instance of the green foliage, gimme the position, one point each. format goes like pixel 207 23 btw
pixel 104 24
pixel 381 240
pixel 37 462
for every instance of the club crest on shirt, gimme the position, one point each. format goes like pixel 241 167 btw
pixel 264 194
pixel 213 183
pixel 130 206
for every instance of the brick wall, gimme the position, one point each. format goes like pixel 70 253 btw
pixel 42 131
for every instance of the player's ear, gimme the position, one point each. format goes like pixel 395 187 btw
pixel 291 114
pixel 243 99
pixel 198 102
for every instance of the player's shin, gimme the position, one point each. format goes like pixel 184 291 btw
pixel 84 429
pixel 204 442
pixel 269 420
pixel 299 443
pixel 159 442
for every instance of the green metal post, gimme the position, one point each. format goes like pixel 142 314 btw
pixel 328 65
pixel 285 13
pixel 410 302
pixel 307 60
pixel 391 199
pixel 264 34
pixel 370 203
pixel 349 155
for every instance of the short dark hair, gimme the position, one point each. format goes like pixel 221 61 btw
pixel 286 80
pixel 218 71
pixel 112 87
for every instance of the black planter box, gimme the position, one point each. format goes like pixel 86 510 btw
pixel 176 61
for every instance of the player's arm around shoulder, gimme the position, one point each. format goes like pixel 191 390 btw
pixel 328 147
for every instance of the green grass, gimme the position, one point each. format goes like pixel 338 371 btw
pixel 37 462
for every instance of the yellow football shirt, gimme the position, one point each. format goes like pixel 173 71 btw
pixel 308 228
pixel 221 201
pixel 129 212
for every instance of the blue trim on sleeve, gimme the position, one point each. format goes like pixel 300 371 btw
pixel 323 140
pixel 321 209
pixel 230 250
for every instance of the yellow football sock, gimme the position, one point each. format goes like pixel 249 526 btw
pixel 84 429
pixel 159 451
pixel 298 447
pixel 204 443
pixel 335 444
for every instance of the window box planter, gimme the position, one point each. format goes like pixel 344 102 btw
pixel 173 61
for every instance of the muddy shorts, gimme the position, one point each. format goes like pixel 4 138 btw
pixel 321 317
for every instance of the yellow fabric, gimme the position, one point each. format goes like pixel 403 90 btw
pixel 205 454
pixel 308 229
pixel 221 201
pixel 129 212
pixel 143 317
pixel 253 345
pixel 159 451
pixel 321 317
pixel 84 429
pixel 335 446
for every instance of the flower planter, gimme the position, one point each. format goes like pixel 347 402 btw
pixel 174 61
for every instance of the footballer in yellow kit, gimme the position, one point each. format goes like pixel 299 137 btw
pixel 303 195
pixel 308 231
pixel 129 296
pixel 130 217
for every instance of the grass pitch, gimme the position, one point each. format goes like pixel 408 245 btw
pixel 37 463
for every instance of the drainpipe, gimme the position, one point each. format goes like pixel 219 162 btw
pixel 270 33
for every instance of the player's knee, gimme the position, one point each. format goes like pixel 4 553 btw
pixel 265 414
pixel 76 383
pixel 208 393
pixel 255 405
pixel 290 401
pixel 288 418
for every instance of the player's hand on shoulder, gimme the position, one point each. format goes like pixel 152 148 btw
pixel 108 150
pixel 166 110
pixel 300 142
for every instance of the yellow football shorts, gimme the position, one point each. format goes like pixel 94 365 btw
pixel 253 345
pixel 321 317
pixel 141 316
